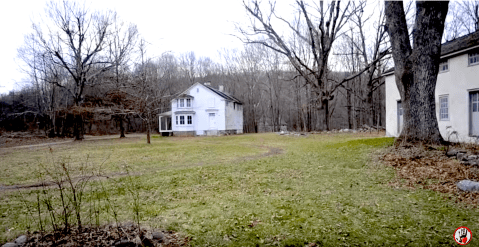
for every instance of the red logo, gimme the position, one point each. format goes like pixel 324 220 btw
pixel 462 235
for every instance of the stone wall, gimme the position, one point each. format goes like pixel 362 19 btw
pixel 184 133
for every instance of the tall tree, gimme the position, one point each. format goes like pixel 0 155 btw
pixel 309 48
pixel 77 39
pixel 416 66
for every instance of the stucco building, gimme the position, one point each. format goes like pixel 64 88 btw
pixel 203 110
pixel 457 92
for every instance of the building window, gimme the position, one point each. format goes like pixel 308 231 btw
pixel 188 102
pixel 444 108
pixel 473 58
pixel 475 102
pixel 184 119
pixel 182 102
pixel 444 66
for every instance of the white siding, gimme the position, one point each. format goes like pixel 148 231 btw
pixel 205 101
pixel 456 83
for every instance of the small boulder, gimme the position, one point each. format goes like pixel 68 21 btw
pixel 158 236
pixel 452 152
pixel 10 245
pixel 461 156
pixel 468 185
pixel 20 241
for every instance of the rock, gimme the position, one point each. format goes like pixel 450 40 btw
pixel 20 241
pixel 461 156
pixel 472 157
pixel 10 245
pixel 468 185
pixel 158 235
pixel 452 152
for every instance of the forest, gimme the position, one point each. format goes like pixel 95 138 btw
pixel 89 72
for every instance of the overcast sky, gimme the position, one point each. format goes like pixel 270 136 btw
pixel 178 26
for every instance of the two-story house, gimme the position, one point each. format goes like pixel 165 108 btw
pixel 457 92
pixel 203 110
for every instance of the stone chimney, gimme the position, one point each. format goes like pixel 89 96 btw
pixel 221 88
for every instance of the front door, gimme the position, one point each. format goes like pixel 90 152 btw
pixel 400 117
pixel 212 119
pixel 474 99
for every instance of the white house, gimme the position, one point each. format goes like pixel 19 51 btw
pixel 203 110
pixel 457 92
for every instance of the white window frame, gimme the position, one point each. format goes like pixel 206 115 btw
pixel 185 119
pixel 473 58
pixel 444 66
pixel 182 103
pixel 444 107
pixel 188 102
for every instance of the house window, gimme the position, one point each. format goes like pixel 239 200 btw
pixel 444 66
pixel 473 58
pixel 444 107
pixel 190 119
pixel 182 102
pixel 475 102
pixel 188 102
pixel 176 120
pixel 182 120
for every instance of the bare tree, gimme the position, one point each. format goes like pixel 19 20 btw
pixel 311 43
pixel 416 68
pixel 78 40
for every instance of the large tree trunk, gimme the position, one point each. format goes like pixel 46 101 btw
pixel 122 127
pixel 78 127
pixel 416 69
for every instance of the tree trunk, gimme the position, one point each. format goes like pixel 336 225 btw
pixel 326 113
pixel 148 130
pixel 122 128
pixel 416 69
pixel 78 127
pixel 349 104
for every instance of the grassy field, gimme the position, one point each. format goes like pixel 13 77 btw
pixel 247 190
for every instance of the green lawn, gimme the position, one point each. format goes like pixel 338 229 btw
pixel 320 189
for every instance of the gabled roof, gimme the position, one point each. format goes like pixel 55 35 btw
pixel 453 47
pixel 461 43
pixel 224 95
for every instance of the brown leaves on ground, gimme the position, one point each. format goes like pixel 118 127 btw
pixel 430 169
pixel 109 235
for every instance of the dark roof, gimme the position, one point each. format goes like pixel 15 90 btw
pixel 460 43
pixel 456 45
pixel 224 95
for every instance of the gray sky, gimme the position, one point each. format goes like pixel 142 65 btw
pixel 178 26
